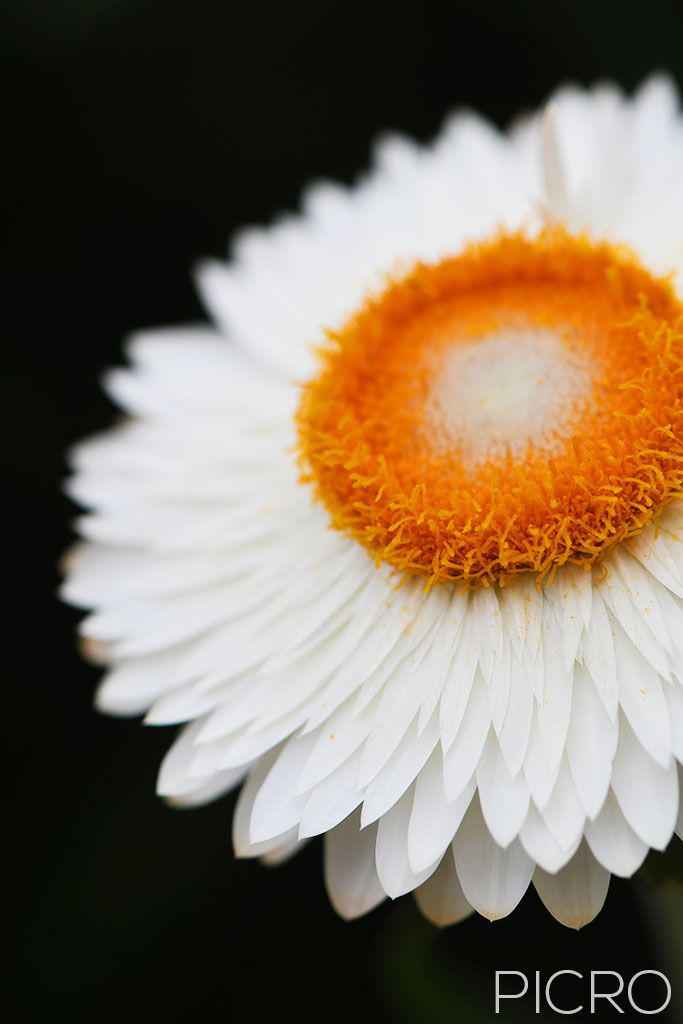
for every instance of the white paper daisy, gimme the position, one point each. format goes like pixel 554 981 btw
pixel 400 538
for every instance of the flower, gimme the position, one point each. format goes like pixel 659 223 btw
pixel 398 542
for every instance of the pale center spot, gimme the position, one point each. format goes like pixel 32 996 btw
pixel 510 391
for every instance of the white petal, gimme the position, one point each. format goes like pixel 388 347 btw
pixel 278 806
pixel 439 659
pixel 487 615
pixel 391 851
pixel 563 814
pixel 504 800
pixel 463 754
pixel 175 782
pixel 349 867
pixel 397 775
pixel 516 730
pixel 185 704
pixel 133 686
pixel 247 744
pixel 441 898
pixel 230 297
pixel 399 703
pixel 337 740
pixel 571 599
pixel 540 844
pixel 332 800
pixel 671 607
pixel 556 190
pixel 492 879
pixel 376 652
pixel 622 605
pixel 647 793
pixel 674 699
pixel 434 820
pixel 554 709
pixel 539 775
pixel 282 853
pixel 679 820
pixel 522 605
pixel 458 684
pixel 614 842
pixel 576 894
pixel 208 790
pixel 654 555
pixel 597 650
pixel 499 688
pixel 241 841
pixel 638 584
pixel 642 699
pixel 591 744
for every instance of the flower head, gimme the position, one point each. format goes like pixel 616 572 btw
pixel 399 542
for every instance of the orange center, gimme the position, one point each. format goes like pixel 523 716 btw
pixel 506 410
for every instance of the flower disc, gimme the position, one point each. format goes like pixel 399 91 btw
pixel 506 410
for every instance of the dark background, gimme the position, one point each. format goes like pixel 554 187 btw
pixel 138 134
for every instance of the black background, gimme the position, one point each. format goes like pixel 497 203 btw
pixel 138 134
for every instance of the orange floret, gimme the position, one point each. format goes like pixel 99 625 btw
pixel 370 447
